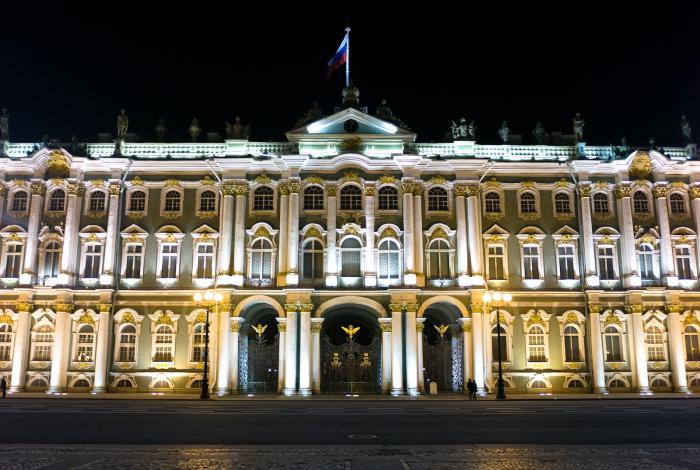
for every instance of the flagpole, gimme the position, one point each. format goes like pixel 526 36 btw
pixel 347 61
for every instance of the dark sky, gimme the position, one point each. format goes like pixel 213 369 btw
pixel 631 70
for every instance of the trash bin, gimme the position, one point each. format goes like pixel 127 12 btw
pixel 433 388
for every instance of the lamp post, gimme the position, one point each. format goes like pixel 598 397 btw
pixel 498 300
pixel 208 298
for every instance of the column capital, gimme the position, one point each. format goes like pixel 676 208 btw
pixel 64 307
pixel 281 324
pixel 673 308
pixel 293 307
pixel 294 187
pixel 316 325
pixel 466 325
pixel 660 191
pixel 477 307
pixel 236 324
pixel 114 189
pixel 37 188
pixel 594 308
pixel 104 308
pixel 623 190
pixel 76 189
pixel 3 191
pixel 225 307
pixel 370 190
pixel 634 308
pixel 385 325
pixel 584 189
pixel 22 306
pixel 331 190
pixel 404 306
pixel 694 192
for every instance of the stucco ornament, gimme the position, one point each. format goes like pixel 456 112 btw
pixel 641 167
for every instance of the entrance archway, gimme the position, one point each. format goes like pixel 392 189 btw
pixel 259 350
pixel 442 348
pixel 350 351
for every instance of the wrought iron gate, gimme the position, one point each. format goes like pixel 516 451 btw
pixel 437 359
pixel 263 360
pixel 350 367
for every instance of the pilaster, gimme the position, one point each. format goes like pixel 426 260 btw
pixel 668 268
pixel 104 333
pixel 61 348
pixel 20 353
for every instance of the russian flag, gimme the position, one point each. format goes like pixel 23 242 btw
pixel 340 57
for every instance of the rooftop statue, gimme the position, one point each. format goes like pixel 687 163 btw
pixel 471 130
pixel 194 130
pixel 313 114
pixel 686 130
pixel 383 111
pixel 578 127
pixel 237 130
pixel 122 124
pixel 504 132
pixel 4 125
pixel 539 133
pixel 351 95
pixel 161 129
pixel 461 131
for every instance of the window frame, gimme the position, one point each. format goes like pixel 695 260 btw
pixel 530 215
pixel 89 195
pixel 342 251
pixel 354 198
pixel 602 215
pixel 563 215
pixel 168 236
pixel 429 251
pixel 11 212
pixel 136 214
pixel 164 192
pixel 122 319
pixel 398 252
pixel 49 209
pixel 272 196
pixel 444 201
pixel 683 199
pixel 380 195
pixel 158 319
pixel 78 325
pixel 313 198
pixel 207 212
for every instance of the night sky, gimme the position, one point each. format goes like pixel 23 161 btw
pixel 631 71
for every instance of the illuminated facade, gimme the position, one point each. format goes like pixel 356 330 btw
pixel 351 223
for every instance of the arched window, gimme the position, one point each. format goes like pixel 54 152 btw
pixel 528 203
pixel 601 203
pixel 5 342
pixel 437 199
pixel 81 383
pixel 38 382
pixel 196 384
pixel 313 198
pixel 97 201
pixel 504 343
pixel 572 344
pixel 659 383
pixel 42 342
pixel 57 201
pixel 84 345
pixel 655 344
pixel 388 198
pixel 52 256
pixel 137 201
pixel 677 204
pixel 617 383
pixel 695 382
pixel 172 201
pixel 389 265
pixel 562 203
pixel 539 383
pixel 161 383
pixel 645 254
pixel 493 202
pixel 351 198
pixel 198 340
pixel 19 201
pixel 127 343
pixel 312 261
pixel 439 260
pixel 577 384
pixel 123 383
pixel 351 256
pixel 13 260
pixel 641 202
pixel 165 344
pixel 261 259
pixel 93 260
pixel 263 199
pixel 536 344
pixel 692 343
pixel 613 344
pixel 207 201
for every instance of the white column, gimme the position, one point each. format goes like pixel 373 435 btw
pixel 293 241
pixel 409 267
pixel 331 255
pixel 223 379
pixel 478 348
pixel 290 354
pixel 370 268
pixel 282 328
pixel 675 345
pixel 226 238
pixel 107 277
pixel 419 260
pixel 462 254
pixel 411 354
pixel 60 349
pixel 30 250
pixel 20 353
pixel 396 351
pixel 239 236
pixel 385 326
pixel 234 327
pixel 474 230
pixel 305 353
pixel 104 333
pixel 70 235
pixel 488 349
pixel 316 326
pixel 695 197
pixel 668 268
pixel 591 276
pixel 466 326
pixel 640 353
pixel 597 357
pixel 419 344
pixel 631 276
pixel 284 236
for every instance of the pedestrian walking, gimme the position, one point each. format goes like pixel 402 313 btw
pixel 3 386
pixel 471 388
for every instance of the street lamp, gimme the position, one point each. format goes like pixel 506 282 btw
pixel 207 299
pixel 498 300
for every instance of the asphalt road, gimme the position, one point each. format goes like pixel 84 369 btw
pixel 353 422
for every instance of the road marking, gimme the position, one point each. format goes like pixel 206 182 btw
pixel 362 436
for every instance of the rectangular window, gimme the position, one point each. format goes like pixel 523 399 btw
pixel 205 261
pixel 683 263
pixel 13 261
pixel 169 257
pixel 127 353
pixel 531 262
pixel 163 354
pixel 496 262
pixel 613 353
pixel 565 254
pixel 93 260
pixel 606 263
pixel 5 352
pixel 42 352
pixel 351 266
pixel 571 349
pixel 134 256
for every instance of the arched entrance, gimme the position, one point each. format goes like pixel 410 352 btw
pixel 442 349
pixel 259 351
pixel 350 351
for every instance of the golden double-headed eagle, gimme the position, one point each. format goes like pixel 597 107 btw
pixel 350 330
pixel 260 329
pixel 441 329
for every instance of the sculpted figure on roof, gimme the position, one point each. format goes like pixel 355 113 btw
pixel 578 127
pixel 122 124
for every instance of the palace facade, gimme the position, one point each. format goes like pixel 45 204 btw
pixel 351 259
